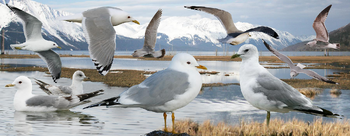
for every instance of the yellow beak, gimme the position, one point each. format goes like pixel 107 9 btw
pixel 18 48
pixel 135 21
pixel 59 47
pixel 202 67
pixel 10 85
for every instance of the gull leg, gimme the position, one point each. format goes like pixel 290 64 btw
pixel 165 128
pixel 268 118
pixel 173 119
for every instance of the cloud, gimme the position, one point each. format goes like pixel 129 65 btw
pixel 244 16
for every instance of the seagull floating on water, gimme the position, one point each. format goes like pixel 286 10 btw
pixel 35 42
pixel 150 39
pixel 75 89
pixel 234 36
pixel 164 91
pixel 322 36
pixel 24 100
pixel 99 33
pixel 295 70
pixel 266 92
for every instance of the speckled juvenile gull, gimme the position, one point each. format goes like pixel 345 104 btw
pixel 99 33
pixel 35 42
pixel 74 89
pixel 234 36
pixel 295 70
pixel 322 36
pixel 164 91
pixel 24 100
pixel 266 92
pixel 150 39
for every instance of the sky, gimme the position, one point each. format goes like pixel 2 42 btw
pixel 294 16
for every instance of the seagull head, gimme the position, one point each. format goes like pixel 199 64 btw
pixel 79 75
pixel 311 43
pixel 293 74
pixel 247 51
pixel 21 83
pixel 119 16
pixel 184 61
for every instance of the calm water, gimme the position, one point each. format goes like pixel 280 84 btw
pixel 218 104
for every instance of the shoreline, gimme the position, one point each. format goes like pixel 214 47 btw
pixel 117 77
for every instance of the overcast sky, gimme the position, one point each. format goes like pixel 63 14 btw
pixel 294 16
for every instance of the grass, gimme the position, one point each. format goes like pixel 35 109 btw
pixel 277 127
pixel 310 92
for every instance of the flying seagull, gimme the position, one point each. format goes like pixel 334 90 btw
pixel 35 42
pixel 234 36
pixel 99 32
pixel 24 100
pixel 322 36
pixel 266 92
pixel 150 39
pixel 164 91
pixel 295 70
pixel 75 88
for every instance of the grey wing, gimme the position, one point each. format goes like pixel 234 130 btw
pixel 65 90
pixel 151 30
pixel 101 36
pixel 53 62
pixel 314 75
pixel 40 100
pixel 276 90
pixel 159 88
pixel 264 29
pixel 279 55
pixel 320 27
pixel 31 27
pixel 224 17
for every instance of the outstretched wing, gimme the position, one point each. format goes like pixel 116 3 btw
pixel 53 62
pixel 320 27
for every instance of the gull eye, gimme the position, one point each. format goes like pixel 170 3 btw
pixel 54 44
pixel 188 62
pixel 20 82
pixel 246 50
pixel 128 16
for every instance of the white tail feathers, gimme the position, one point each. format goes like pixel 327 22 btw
pixel 301 66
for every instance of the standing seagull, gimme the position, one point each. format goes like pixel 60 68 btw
pixel 99 32
pixel 164 91
pixel 295 70
pixel 150 39
pixel 234 36
pixel 35 42
pixel 266 92
pixel 24 100
pixel 322 37
pixel 74 89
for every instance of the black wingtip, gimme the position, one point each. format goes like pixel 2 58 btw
pixel 267 45
pixel 163 53
pixel 107 102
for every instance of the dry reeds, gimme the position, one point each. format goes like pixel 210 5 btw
pixel 335 92
pixel 277 127
pixel 310 92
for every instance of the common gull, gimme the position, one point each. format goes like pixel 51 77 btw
pixel 35 42
pixel 74 89
pixel 266 92
pixel 299 68
pixel 24 100
pixel 99 33
pixel 164 91
pixel 150 39
pixel 234 35
pixel 322 36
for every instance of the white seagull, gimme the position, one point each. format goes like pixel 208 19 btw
pixel 24 100
pixel 75 88
pixel 295 70
pixel 266 92
pixel 164 91
pixel 35 42
pixel 150 39
pixel 99 33
pixel 234 36
pixel 322 36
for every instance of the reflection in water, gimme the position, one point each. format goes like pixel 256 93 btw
pixel 25 122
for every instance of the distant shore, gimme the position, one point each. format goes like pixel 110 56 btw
pixel 118 77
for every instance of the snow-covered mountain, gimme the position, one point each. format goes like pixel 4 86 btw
pixel 174 33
